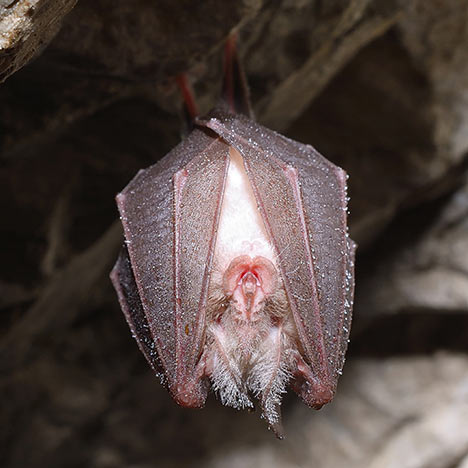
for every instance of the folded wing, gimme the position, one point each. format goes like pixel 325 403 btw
pixel 170 212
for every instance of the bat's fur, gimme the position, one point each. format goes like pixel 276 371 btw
pixel 247 358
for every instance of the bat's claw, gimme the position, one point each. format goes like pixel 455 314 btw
pixel 190 394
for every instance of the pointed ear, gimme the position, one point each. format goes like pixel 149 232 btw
pixel 235 94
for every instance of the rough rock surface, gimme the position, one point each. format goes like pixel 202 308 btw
pixel 430 272
pixel 380 87
pixel 26 27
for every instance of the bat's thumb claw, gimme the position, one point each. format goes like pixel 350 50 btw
pixel 190 395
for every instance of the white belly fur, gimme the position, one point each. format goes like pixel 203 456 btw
pixel 241 230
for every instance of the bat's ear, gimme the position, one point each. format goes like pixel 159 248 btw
pixel 235 94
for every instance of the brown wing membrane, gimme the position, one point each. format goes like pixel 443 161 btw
pixel 303 201
pixel 127 292
pixel 170 213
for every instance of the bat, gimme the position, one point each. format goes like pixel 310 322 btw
pixel 237 270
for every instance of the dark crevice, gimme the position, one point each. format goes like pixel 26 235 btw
pixel 411 333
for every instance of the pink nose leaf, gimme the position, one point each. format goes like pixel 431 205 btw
pixel 249 282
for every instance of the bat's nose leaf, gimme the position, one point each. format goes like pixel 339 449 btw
pixel 249 281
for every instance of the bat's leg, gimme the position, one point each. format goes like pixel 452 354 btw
pixel 235 90
pixel 190 109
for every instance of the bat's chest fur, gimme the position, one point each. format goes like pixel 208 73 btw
pixel 248 359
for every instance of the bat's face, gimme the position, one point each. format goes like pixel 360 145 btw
pixel 238 270
pixel 250 332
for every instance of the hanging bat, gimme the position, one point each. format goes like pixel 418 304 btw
pixel 237 269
